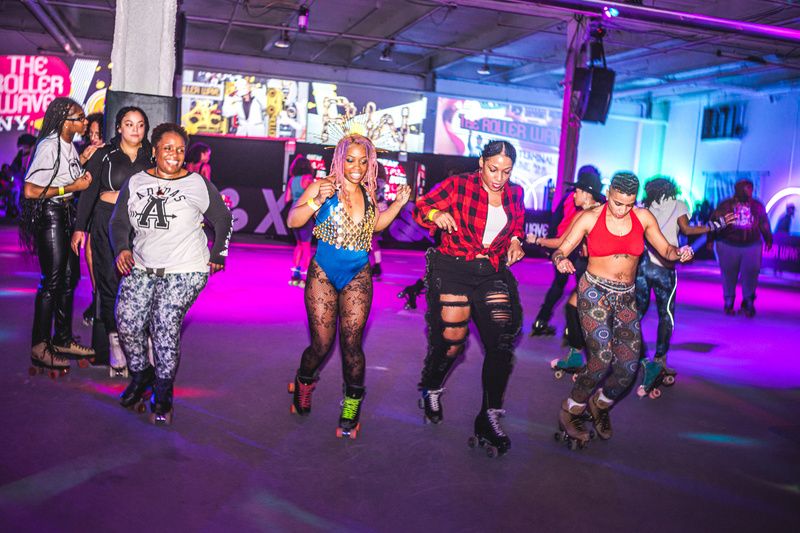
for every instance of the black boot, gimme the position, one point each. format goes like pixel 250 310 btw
pixel 541 328
pixel 161 402
pixel 411 293
pixel 133 395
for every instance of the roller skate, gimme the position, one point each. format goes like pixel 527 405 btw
pixel 431 402
pixel 139 390
pixel 490 434
pixel 653 377
pixel 598 410
pixel 161 402
pixel 411 293
pixel 571 428
pixel 669 373
pixel 349 425
pixel 729 310
pixel 44 358
pixel 541 328
pixel 748 309
pixel 301 389
pixel 70 349
pixel 377 271
pixel 117 364
pixel 571 364
pixel 297 279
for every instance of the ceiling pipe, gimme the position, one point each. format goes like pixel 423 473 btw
pixel 642 13
pixel 57 19
pixel 48 24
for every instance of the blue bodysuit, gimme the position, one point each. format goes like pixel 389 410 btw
pixel 342 245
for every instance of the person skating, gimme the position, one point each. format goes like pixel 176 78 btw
pixel 162 252
pixel 339 284
pixel 615 235
pixel 481 218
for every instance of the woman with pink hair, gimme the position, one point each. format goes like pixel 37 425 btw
pixel 339 285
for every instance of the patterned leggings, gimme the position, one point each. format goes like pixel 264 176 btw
pixel 613 337
pixel 156 304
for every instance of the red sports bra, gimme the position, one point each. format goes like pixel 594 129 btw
pixel 602 243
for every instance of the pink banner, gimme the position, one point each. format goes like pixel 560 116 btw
pixel 28 84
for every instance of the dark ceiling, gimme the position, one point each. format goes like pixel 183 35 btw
pixel 452 39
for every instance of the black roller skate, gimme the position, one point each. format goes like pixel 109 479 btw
pixel 654 374
pixel 748 309
pixel 161 402
pixel 490 434
pixel 431 402
pixel 541 328
pixel 44 358
pixel 598 410
pixel 349 426
pixel 139 389
pixel 301 389
pixel 411 293
pixel 571 428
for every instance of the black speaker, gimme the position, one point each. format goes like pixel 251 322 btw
pixel 159 109
pixel 593 87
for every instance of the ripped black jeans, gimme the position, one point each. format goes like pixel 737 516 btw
pixel 457 291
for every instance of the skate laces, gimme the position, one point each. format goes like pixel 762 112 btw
pixel 350 407
pixel 433 396
pixel 494 416
pixel 304 394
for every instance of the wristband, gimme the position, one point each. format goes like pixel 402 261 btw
pixel 312 204
pixel 61 190
pixel 432 213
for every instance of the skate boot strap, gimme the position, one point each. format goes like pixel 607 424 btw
pixel 350 407
pixel 494 416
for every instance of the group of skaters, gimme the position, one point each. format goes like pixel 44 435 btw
pixel 144 210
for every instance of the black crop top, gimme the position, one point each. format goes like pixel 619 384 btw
pixel 110 168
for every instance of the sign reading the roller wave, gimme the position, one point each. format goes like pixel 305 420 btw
pixel 27 86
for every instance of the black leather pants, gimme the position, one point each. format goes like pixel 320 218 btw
pixel 60 274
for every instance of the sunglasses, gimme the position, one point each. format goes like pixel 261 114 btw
pixel 80 118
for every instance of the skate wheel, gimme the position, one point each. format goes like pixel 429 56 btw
pixel 641 392
pixel 53 374
pixel 353 433
pixel 141 407
pixel 557 436
pixel 291 388
pixel 559 374
pixel 655 393
pixel 83 363
pixel 669 381
pixel 293 409
pixel 491 452
pixel 472 442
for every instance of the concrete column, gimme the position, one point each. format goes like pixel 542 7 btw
pixel 143 52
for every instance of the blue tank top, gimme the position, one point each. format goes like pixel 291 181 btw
pixel 342 245
pixel 296 185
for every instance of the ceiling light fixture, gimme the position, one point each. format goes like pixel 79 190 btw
pixel 302 18
pixel 386 54
pixel 284 41
pixel 484 70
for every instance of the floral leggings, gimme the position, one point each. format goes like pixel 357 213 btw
pixel 610 323
pixel 148 302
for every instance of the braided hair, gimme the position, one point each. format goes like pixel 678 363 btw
pixel 658 189
pixel 31 209
pixel 625 182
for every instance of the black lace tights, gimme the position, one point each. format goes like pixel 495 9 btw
pixel 324 306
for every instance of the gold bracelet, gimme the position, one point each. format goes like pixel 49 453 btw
pixel 312 204
pixel 432 213
pixel 61 191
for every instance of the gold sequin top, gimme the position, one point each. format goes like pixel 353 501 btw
pixel 339 230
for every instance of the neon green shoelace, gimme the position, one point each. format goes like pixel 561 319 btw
pixel 350 407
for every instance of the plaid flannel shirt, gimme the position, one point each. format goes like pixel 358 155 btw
pixel 466 200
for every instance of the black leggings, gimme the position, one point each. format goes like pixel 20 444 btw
pixel 60 272
pixel 325 306
pixel 492 300
pixel 105 269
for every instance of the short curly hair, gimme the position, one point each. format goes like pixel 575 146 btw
pixel 167 127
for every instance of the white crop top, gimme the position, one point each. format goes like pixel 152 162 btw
pixel 496 220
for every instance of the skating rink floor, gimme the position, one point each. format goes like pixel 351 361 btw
pixel 719 451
